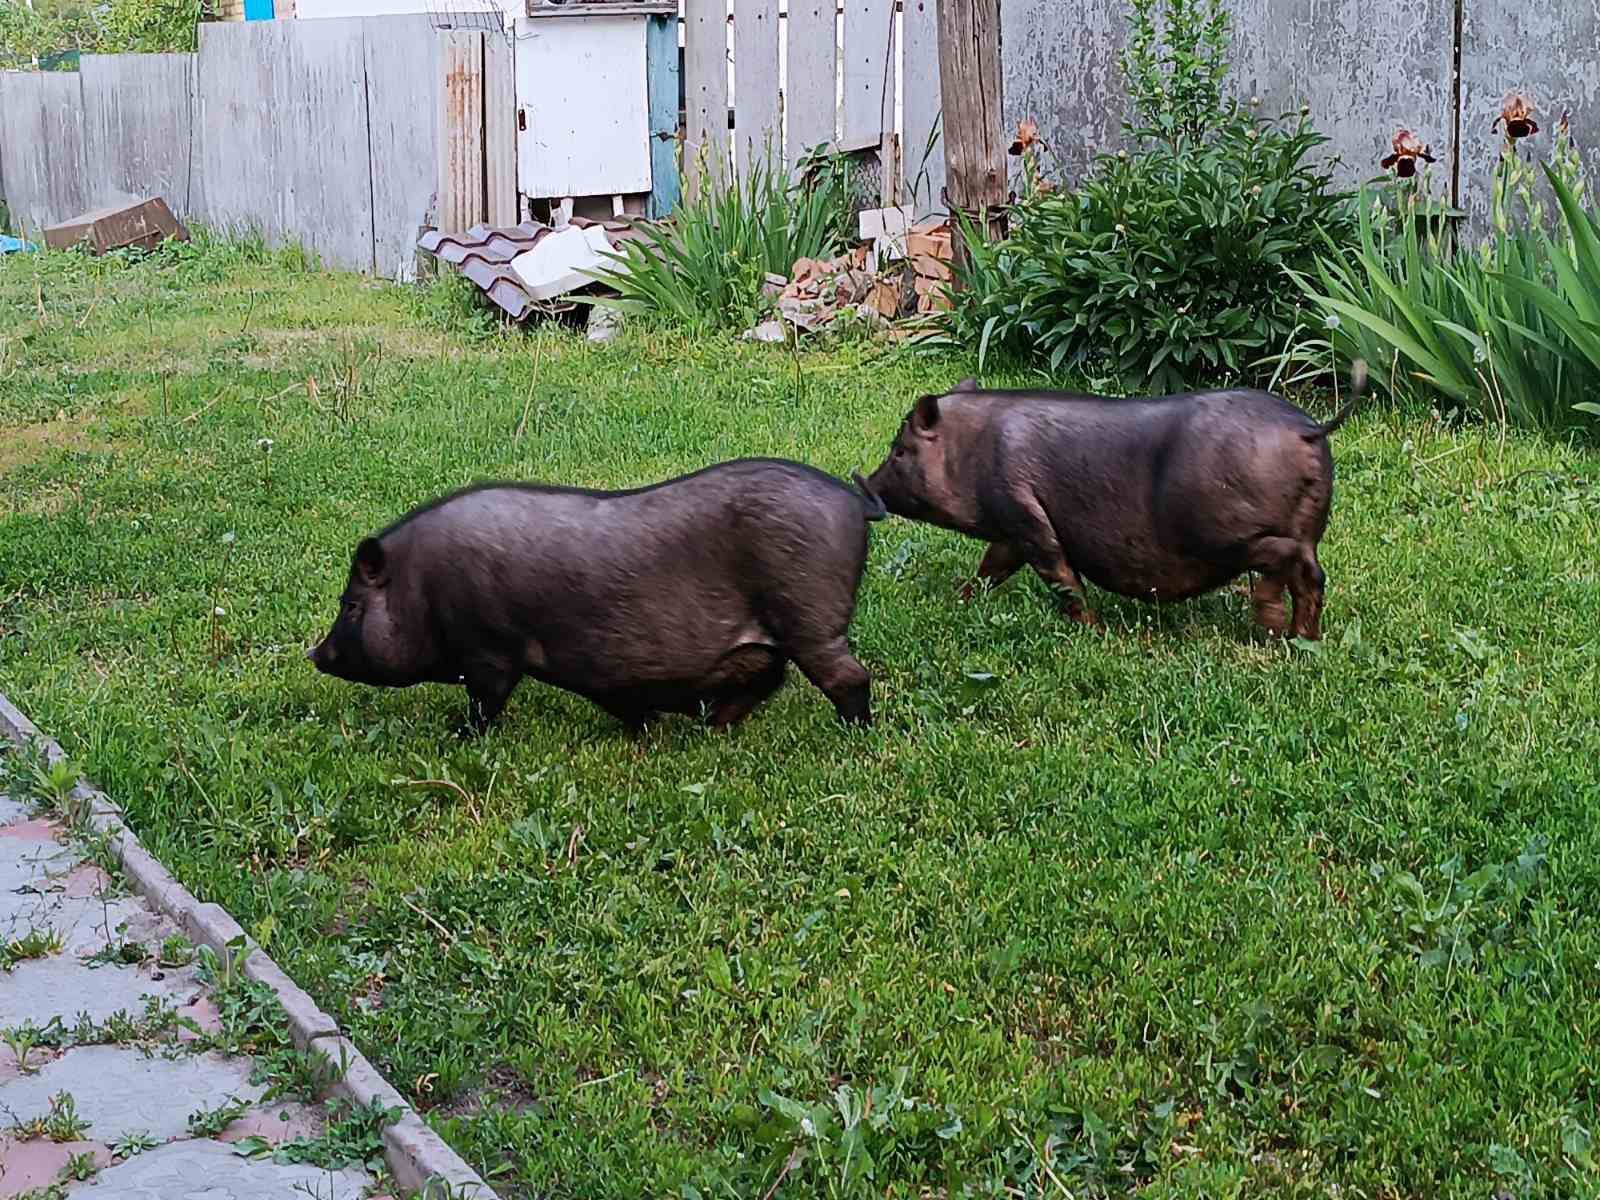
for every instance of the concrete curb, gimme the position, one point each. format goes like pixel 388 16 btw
pixel 417 1156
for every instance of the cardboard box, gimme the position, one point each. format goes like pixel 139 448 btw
pixel 145 223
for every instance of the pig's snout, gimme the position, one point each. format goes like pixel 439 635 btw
pixel 320 656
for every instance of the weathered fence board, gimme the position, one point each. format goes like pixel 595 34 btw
pixel 137 111
pixel 461 198
pixel 238 130
pixel 969 68
pixel 921 145
pixel 321 102
pixel 403 77
pixel 43 147
pixel 1061 68
pixel 500 128
pixel 868 71
pixel 810 100
pixel 661 65
pixel 1362 78
pixel 705 72
pixel 1547 49
pixel 757 129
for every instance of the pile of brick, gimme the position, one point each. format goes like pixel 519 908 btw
pixel 928 250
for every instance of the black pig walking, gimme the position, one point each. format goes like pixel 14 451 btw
pixel 689 596
pixel 1158 499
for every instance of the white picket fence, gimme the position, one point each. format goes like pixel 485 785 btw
pixel 798 74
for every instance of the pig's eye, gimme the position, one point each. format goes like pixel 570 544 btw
pixel 899 452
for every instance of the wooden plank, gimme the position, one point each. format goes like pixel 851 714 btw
pixel 238 136
pixel 868 67
pixel 320 106
pixel 705 71
pixel 599 8
pixel 500 127
pixel 757 122
pixel 921 146
pixel 810 102
pixel 461 198
pixel 67 191
pixel 969 77
pixel 661 81
pixel 574 148
pixel 404 78
pixel 137 134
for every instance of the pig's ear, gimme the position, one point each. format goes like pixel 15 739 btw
pixel 371 563
pixel 926 414
pixel 969 384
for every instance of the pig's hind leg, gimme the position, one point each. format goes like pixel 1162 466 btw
pixel 1287 564
pixel 842 679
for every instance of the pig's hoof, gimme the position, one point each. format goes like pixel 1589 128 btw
pixel 1085 617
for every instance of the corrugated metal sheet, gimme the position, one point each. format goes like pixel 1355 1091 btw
pixel 484 253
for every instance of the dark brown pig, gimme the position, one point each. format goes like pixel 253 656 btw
pixel 688 597
pixel 1158 499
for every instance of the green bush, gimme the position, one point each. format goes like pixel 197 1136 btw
pixel 1507 331
pixel 1171 266
pixel 705 268
pixel 33 31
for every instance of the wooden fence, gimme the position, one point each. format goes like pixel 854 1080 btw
pixel 1365 69
pixel 332 133
pixel 342 133
pixel 851 74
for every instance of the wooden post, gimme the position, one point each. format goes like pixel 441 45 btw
pixel 974 145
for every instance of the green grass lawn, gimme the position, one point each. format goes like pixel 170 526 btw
pixel 1174 909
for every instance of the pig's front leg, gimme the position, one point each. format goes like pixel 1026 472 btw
pixel 1000 562
pixel 490 683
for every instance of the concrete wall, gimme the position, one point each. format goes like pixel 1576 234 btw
pixel 1367 68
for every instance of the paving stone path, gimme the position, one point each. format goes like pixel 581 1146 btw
pixel 115 1069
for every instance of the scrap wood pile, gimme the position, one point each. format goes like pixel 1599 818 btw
pixel 899 270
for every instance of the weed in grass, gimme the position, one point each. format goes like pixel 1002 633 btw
pixel 353 1138
pixel 208 1122
pixel 176 951
pixel 80 1167
pixel 60 1124
pixel 36 943
pixel 131 1145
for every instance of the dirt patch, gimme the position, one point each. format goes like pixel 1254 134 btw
pixel 22 446
pixel 501 1087
pixel 296 347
